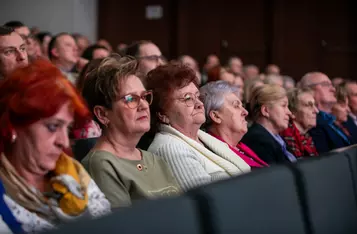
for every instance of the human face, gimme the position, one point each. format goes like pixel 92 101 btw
pixel 45 140
pixel 232 114
pixel 123 117
pixel 324 90
pixel 279 114
pixel 66 50
pixel 46 41
pixel 190 62
pixel 352 97
pixel 150 57
pixel 273 69
pixel 306 111
pixel 12 53
pixel 251 72
pixel 100 53
pixel 183 116
pixel 239 83
pixel 227 76
pixel 340 111
pixel 23 31
pixel 212 61
pixel 236 65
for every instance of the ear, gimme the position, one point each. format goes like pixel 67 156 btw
pixel 54 52
pixel 163 118
pixel 102 114
pixel 215 117
pixel 264 110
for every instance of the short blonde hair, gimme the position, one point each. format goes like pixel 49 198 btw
pixel 293 96
pixel 264 95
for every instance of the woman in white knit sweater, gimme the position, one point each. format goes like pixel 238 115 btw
pixel 195 157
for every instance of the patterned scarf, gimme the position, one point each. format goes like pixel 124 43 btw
pixel 300 145
pixel 67 199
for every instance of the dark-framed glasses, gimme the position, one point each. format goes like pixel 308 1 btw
pixel 190 99
pixel 133 100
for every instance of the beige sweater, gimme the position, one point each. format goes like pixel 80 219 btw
pixel 194 164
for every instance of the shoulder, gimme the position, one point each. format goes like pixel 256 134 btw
pixel 29 221
pixel 164 141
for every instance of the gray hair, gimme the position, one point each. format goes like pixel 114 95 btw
pixel 212 96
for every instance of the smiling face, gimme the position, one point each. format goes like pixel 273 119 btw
pixel 44 141
pixel 186 109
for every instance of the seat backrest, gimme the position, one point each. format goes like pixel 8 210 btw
pixel 264 201
pixel 81 147
pixel 329 194
pixel 176 215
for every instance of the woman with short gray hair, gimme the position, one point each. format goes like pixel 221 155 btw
pixel 225 119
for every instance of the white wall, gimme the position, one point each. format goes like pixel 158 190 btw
pixel 53 15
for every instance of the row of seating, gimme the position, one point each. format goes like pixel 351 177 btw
pixel 315 196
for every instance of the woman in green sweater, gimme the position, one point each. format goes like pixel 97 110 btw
pixel 120 104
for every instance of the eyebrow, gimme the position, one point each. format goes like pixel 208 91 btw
pixel 13 47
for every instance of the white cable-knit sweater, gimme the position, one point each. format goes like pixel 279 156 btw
pixel 192 163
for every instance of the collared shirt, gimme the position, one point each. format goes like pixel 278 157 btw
pixel 280 140
pixel 354 118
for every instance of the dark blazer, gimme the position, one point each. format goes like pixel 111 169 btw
pixel 352 128
pixel 326 138
pixel 264 145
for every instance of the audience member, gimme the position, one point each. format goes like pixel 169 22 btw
pixel 95 52
pixel 337 81
pixel 192 63
pixel 195 157
pixel 274 80
pixel 250 71
pixel 225 119
pixel 272 69
pixel 303 107
pixel 44 38
pixel 44 186
pixel 351 88
pixel 210 62
pixel 270 113
pixel 12 51
pixel 120 104
pixel 235 65
pixel 289 83
pixel 341 110
pixel 148 54
pixel 81 41
pixel 63 52
pixel 326 135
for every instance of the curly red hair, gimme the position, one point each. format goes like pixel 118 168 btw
pixel 35 92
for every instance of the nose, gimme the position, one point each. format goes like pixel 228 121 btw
pixel 21 55
pixel 198 104
pixel 245 112
pixel 316 110
pixel 333 89
pixel 289 112
pixel 62 140
pixel 143 104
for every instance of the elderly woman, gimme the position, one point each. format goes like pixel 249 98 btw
pixel 225 119
pixel 120 104
pixel 195 157
pixel 270 114
pixel 44 187
pixel 302 105
pixel 341 110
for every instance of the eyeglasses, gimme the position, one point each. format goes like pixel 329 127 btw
pixel 323 84
pixel 190 99
pixel 133 100
pixel 155 58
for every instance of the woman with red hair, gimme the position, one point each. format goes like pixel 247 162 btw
pixel 44 187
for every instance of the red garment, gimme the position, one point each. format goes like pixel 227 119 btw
pixel 245 153
pixel 299 145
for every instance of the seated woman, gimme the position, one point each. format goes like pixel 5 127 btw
pixel 302 105
pixel 341 110
pixel 225 119
pixel 44 187
pixel 270 114
pixel 195 157
pixel 120 104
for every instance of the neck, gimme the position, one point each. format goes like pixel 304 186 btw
pixel 122 145
pixel 228 136
pixel 63 66
pixel 39 181
pixel 189 131
pixel 325 107
pixel 267 124
pixel 301 129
